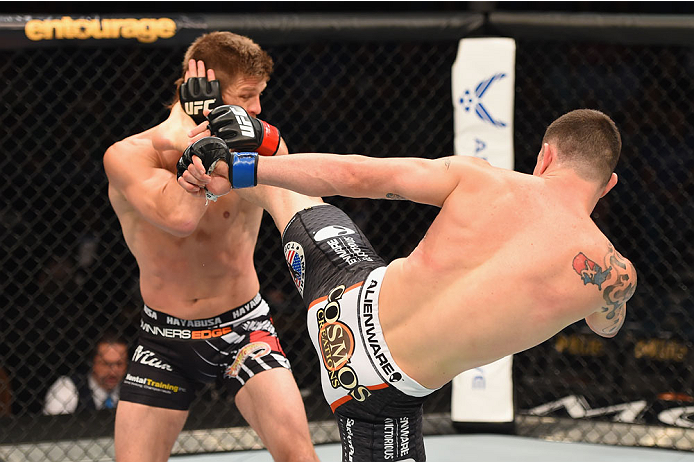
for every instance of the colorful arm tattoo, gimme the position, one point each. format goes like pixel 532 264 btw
pixel 617 292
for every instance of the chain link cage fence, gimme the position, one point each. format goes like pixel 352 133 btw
pixel 67 274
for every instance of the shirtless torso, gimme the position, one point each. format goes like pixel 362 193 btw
pixel 510 260
pixel 196 263
pixel 188 270
pixel 495 277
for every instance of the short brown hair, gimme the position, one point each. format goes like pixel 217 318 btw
pixel 588 141
pixel 230 55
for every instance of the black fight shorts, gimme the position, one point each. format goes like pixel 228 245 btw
pixel 174 356
pixel 336 270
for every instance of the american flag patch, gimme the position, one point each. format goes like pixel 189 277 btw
pixel 294 254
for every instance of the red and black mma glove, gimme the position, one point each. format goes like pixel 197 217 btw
pixel 242 132
pixel 243 166
pixel 197 94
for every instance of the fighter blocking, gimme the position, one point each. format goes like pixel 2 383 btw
pixel 234 130
pixel 242 132
pixel 243 166
pixel 198 94
pixel 231 123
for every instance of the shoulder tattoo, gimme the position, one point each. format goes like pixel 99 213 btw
pixel 618 277
pixel 395 197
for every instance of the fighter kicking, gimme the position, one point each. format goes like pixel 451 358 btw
pixel 510 260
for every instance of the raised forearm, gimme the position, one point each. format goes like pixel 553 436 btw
pixel 325 174
pixel 163 203
pixel 419 180
pixel 176 211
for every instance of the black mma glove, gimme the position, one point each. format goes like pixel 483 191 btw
pixel 243 166
pixel 197 94
pixel 210 150
pixel 242 132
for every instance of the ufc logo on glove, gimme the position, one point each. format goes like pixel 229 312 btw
pixel 196 107
pixel 197 94
pixel 243 120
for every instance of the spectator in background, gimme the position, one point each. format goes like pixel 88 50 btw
pixel 99 389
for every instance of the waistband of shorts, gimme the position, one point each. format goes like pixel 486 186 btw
pixel 159 318
pixel 375 343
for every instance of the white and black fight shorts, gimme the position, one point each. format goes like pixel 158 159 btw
pixel 174 356
pixel 337 272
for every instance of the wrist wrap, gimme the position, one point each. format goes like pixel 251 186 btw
pixel 271 139
pixel 244 169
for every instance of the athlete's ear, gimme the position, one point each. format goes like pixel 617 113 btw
pixel 610 184
pixel 538 161
pixel 544 158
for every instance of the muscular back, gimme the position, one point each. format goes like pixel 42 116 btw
pixel 195 261
pixel 505 265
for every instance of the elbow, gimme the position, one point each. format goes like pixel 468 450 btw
pixel 179 225
pixel 182 231
pixel 184 228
